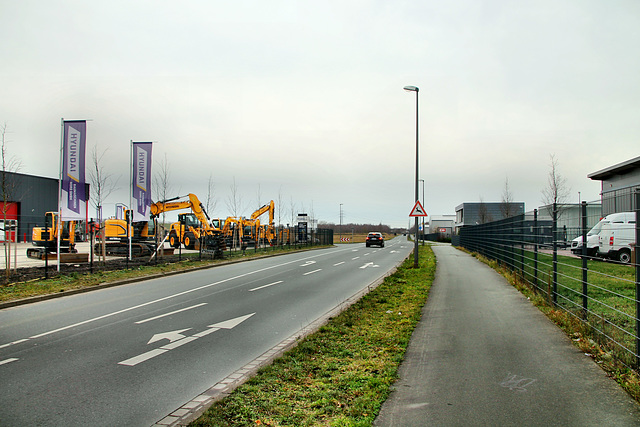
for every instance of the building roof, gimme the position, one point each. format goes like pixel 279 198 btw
pixel 618 169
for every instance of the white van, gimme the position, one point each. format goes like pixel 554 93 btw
pixel 618 236
pixel 593 240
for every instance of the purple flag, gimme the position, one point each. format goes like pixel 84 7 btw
pixel 73 200
pixel 141 185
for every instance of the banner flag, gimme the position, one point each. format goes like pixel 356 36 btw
pixel 141 183
pixel 73 198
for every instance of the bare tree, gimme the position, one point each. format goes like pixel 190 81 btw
pixel 483 213
pixel 8 186
pixel 279 206
pixel 162 183
pixel 234 200
pixel 507 207
pixel 556 192
pixel 211 202
pixel 102 182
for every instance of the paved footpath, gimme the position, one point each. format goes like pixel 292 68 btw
pixel 483 355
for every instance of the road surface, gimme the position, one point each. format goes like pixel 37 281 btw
pixel 130 355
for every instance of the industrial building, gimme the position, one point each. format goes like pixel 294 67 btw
pixel 475 213
pixel 26 199
pixel 618 185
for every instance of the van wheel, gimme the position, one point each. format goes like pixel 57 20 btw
pixel 624 256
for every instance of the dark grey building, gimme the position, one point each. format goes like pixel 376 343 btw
pixel 618 185
pixel 475 213
pixel 28 198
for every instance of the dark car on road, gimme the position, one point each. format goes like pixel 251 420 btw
pixel 375 239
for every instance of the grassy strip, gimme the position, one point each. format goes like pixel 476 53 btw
pixel 610 290
pixel 340 375
pixel 582 335
pixel 67 282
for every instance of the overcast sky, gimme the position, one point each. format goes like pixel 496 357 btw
pixel 303 101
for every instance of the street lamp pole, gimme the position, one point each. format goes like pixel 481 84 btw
pixel 422 181
pixel 415 249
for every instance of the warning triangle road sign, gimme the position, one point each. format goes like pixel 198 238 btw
pixel 418 210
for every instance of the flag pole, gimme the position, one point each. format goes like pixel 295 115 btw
pixel 127 220
pixel 58 221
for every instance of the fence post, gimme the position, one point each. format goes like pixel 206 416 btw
pixel 637 210
pixel 554 232
pixel 584 261
pixel 535 248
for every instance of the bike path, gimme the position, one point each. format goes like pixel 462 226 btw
pixel 482 354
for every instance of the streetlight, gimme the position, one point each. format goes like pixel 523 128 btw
pixel 422 181
pixel 415 249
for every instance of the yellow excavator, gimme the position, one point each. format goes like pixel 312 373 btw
pixel 47 237
pixel 143 236
pixel 254 232
pixel 191 228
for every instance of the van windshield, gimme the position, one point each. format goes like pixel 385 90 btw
pixel 597 228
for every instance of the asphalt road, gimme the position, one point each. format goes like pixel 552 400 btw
pixel 130 355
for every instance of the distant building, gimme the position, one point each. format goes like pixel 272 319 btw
pixel 474 213
pixel 618 185
pixel 569 218
pixel 442 225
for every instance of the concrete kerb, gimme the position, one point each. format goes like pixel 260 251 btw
pixel 193 409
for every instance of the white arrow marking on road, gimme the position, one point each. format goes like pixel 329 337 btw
pixel 171 336
pixel 308 263
pixel 369 264
pixel 176 339
pixel 393 252
pixel 232 323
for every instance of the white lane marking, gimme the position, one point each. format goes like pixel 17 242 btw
pixel 311 272
pixel 14 343
pixel 308 263
pixel 335 265
pixel 177 339
pixel 4 362
pixel 169 297
pixel 353 259
pixel 265 286
pixel 169 314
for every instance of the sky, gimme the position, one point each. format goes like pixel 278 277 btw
pixel 303 102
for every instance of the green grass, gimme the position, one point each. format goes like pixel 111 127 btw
pixel 342 374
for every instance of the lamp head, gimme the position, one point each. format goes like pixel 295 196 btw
pixel 411 88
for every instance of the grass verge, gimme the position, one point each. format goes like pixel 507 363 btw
pixel 582 335
pixel 342 374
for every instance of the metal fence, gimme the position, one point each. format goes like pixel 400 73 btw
pixel 602 294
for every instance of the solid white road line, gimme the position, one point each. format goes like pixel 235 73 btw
pixel 169 314
pixel 265 286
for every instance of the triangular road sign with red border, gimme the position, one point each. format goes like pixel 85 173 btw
pixel 418 210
